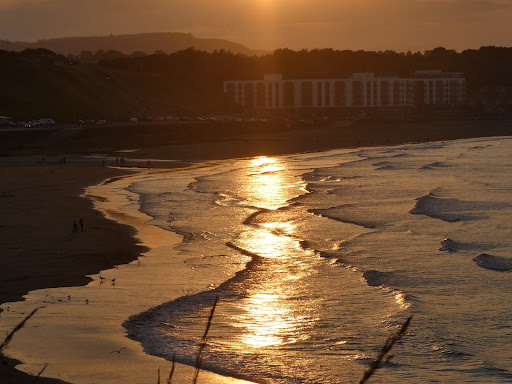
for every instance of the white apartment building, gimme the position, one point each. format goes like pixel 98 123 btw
pixel 362 90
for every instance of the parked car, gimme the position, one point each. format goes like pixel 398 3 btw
pixel 101 122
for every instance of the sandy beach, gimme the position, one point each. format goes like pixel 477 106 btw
pixel 38 203
pixel 39 200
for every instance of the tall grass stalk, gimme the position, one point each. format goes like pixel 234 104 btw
pixel 171 372
pixel 9 336
pixel 390 342
pixel 40 373
pixel 203 341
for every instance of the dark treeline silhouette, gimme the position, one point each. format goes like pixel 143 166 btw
pixel 115 86
pixel 484 66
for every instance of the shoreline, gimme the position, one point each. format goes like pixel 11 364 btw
pixel 39 201
pixel 130 294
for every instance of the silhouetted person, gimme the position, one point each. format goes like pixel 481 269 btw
pixel 81 225
pixel 76 221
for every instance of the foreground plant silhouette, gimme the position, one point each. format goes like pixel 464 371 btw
pixel 20 325
pixel 9 336
pixel 204 340
pixel 390 342
pixel 373 366
pixel 202 346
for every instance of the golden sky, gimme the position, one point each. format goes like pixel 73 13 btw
pixel 269 24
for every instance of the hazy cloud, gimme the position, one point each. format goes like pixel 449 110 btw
pixel 366 24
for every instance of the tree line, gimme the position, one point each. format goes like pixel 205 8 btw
pixel 487 66
pixel 121 85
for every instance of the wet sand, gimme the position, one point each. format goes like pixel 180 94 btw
pixel 38 202
pixel 79 331
pixel 39 249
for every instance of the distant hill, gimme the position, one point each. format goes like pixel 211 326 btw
pixel 167 42
pixel 39 83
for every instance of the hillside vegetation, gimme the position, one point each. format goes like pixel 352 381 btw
pixel 114 86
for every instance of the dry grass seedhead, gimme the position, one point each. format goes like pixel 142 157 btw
pixel 204 340
pixel 390 342
pixel 9 336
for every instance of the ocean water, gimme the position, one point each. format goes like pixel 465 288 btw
pixel 340 247
pixel 315 259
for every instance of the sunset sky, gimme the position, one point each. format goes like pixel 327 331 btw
pixel 268 24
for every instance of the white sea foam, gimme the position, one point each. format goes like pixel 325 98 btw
pixel 317 258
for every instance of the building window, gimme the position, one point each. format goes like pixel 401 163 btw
pixel 397 93
pixel 339 93
pixel 260 94
pixel 357 93
pixel 230 91
pixel 384 93
pixel 288 94
pixel 307 93
pixel 249 94
pixel 277 95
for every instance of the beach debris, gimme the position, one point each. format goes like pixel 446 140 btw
pixel 118 351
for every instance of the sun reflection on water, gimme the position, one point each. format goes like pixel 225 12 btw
pixel 269 312
pixel 265 322
pixel 269 186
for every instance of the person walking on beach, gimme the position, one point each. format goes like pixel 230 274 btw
pixel 75 224
pixel 81 225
